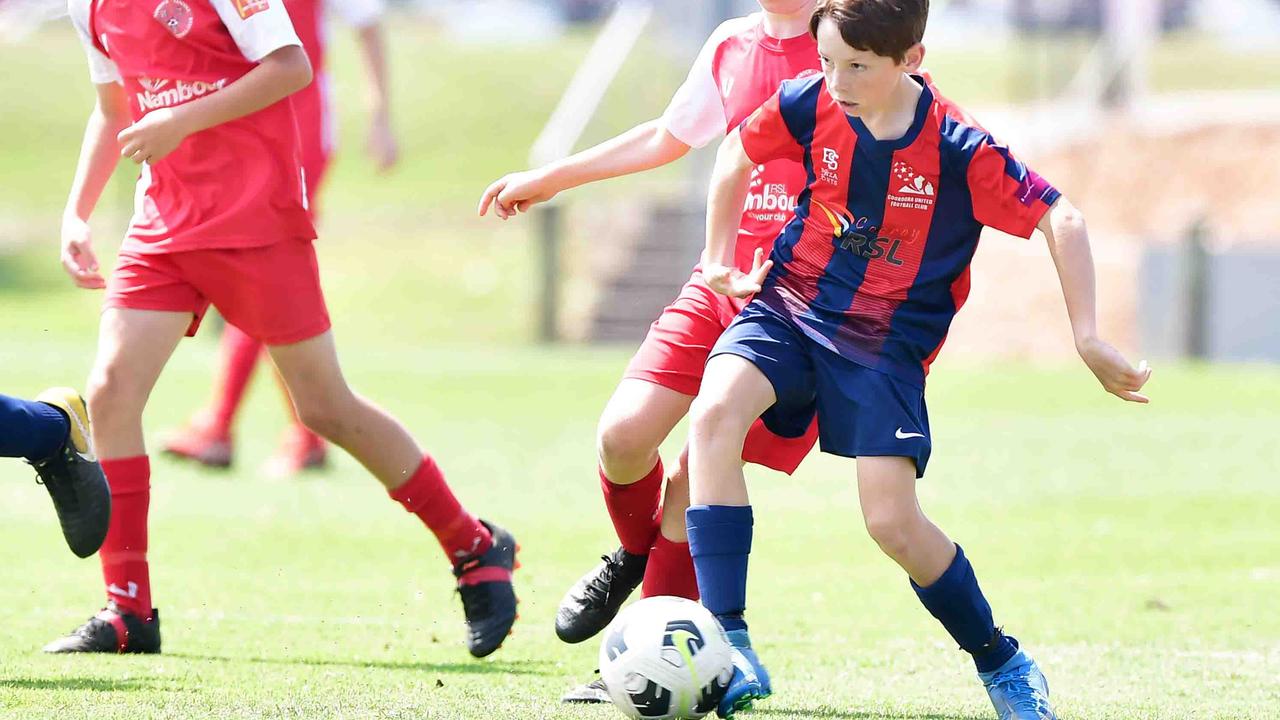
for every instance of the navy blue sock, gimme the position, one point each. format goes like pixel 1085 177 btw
pixel 720 542
pixel 957 601
pixel 29 429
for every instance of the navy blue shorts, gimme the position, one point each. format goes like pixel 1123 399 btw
pixel 861 412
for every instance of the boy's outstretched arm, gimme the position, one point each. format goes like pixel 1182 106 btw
pixel 278 75
pixel 643 147
pixel 381 141
pixel 99 154
pixel 1064 229
pixel 725 198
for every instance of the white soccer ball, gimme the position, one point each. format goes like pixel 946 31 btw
pixel 665 658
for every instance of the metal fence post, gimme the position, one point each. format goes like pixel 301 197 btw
pixel 1196 284
pixel 549 228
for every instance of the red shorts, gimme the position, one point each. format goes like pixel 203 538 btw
pixel 272 292
pixel 674 355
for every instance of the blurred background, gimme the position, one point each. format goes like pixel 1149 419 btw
pixel 1157 118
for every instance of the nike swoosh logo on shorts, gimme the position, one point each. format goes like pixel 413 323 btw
pixel 906 435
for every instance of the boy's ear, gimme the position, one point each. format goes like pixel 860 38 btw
pixel 914 58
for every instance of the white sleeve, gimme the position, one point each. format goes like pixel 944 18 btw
pixel 357 13
pixel 259 27
pixel 696 114
pixel 101 69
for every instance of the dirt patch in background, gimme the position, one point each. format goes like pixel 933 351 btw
pixel 1135 188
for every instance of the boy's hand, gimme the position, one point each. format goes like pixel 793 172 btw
pixel 381 143
pixel 729 280
pixel 77 254
pixel 1115 373
pixel 154 136
pixel 516 193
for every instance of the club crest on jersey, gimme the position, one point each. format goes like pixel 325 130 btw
pixel 175 16
pixel 249 8
pixel 915 191
pixel 830 172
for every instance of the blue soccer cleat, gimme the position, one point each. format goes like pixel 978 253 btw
pixel 750 680
pixel 1018 690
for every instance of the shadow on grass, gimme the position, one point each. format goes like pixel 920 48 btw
pixel 860 714
pixel 527 667
pixel 80 683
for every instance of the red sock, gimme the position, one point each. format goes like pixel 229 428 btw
pixel 670 570
pixel 428 496
pixel 239 357
pixel 634 509
pixel 124 552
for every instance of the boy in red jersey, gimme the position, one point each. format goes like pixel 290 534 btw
pixel 196 91
pixel 207 438
pixel 853 306
pixel 738 68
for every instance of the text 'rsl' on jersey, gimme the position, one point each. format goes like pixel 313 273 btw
pixel 875 263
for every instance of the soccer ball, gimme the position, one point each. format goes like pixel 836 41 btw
pixel 665 658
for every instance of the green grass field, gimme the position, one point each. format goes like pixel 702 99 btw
pixel 1134 550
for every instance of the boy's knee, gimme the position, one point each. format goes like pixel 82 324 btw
pixel 624 442
pixel 891 531
pixel 110 393
pixel 717 417
pixel 325 416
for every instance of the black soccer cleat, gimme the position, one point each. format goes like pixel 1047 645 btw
pixel 592 693
pixel 112 631
pixel 489 605
pixel 596 598
pixel 74 478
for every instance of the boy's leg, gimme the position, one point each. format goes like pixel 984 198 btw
pixel 52 433
pixel 670 569
pixel 31 429
pixel 483 555
pixel 207 437
pixel 133 347
pixel 947 586
pixel 734 394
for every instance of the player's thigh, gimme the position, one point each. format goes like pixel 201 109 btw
pixel 639 416
pixel 734 393
pixel 311 371
pixel 887 488
pixel 133 348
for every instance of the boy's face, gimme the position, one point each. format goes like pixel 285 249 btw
pixel 861 81
pixel 787 7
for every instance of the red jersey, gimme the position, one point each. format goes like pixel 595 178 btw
pixel 235 185
pixel 738 69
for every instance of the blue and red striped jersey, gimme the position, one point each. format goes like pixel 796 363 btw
pixel 875 263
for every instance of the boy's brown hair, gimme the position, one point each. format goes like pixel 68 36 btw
pixel 885 27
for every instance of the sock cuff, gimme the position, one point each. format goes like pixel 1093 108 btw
pixel 662 543
pixel 416 491
pixel 128 475
pixel 719 529
pixel 954 573
pixel 651 482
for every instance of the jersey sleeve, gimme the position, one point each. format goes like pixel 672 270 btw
pixel 259 27
pixel 101 69
pixel 696 114
pixel 357 13
pixel 767 136
pixel 1006 194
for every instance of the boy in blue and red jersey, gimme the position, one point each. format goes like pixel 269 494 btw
pixel 853 305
